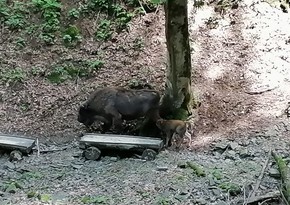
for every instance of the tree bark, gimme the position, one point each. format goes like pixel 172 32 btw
pixel 178 94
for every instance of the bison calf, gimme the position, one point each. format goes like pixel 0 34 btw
pixel 173 127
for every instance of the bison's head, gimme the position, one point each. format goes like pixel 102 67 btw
pixel 85 116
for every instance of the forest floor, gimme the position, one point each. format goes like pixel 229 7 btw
pixel 241 78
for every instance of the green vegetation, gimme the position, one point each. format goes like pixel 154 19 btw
pixel 73 13
pixel 138 44
pixel 95 200
pixel 104 32
pixel 45 198
pixel 50 13
pixel 31 175
pixel 32 194
pixel 59 73
pixel 36 71
pixel 71 36
pixel 197 169
pixel 20 42
pixel 232 188
pixel 11 186
pixel 217 174
pixel 24 106
pixel 15 15
pixel 44 19
pixel 48 22
pixel 12 75
pixel 163 200
pixel 212 22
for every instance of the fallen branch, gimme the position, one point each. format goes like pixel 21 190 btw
pixel 52 150
pixel 283 197
pixel 283 169
pixel 260 92
pixel 141 5
pixel 37 146
pixel 257 185
pixel 262 198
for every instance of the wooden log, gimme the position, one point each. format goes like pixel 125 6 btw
pixel 12 142
pixel 148 155
pixel 122 142
pixel 15 155
pixel 92 153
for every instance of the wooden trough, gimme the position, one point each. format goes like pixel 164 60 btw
pixel 94 143
pixel 12 142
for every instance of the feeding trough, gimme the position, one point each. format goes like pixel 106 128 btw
pixel 95 143
pixel 13 142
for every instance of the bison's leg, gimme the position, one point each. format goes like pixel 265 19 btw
pixel 117 122
pixel 168 139
pixel 116 117
pixel 107 126
pixel 153 114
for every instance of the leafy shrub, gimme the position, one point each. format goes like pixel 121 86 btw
pixel 69 71
pixel 14 17
pixel 104 32
pixel 50 10
pixel 12 75
pixel 71 36
pixel 74 13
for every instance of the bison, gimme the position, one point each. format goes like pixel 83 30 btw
pixel 112 105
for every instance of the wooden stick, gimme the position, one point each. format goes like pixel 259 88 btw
pixel 268 196
pixel 257 185
pixel 37 145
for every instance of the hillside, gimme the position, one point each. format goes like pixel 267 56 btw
pixel 43 83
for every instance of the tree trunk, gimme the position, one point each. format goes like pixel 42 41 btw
pixel 178 94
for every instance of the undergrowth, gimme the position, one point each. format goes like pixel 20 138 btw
pixel 51 22
pixel 47 22
pixel 62 72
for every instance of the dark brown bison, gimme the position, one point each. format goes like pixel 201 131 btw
pixel 112 105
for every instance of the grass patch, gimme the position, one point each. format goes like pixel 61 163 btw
pixel 73 14
pixel 13 75
pixel 50 13
pixel 69 71
pixel 161 200
pixel 71 36
pixel 104 31
pixel 12 186
pixel 95 200
pixel 14 16
pixel 232 188
pixel 31 175
pixel 50 22
pixel 20 42
pixel 45 198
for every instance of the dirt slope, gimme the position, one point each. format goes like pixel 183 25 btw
pixel 242 68
pixel 52 109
